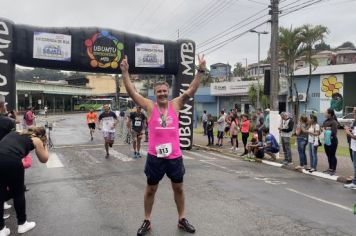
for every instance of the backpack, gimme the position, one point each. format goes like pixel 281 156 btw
pixel 327 137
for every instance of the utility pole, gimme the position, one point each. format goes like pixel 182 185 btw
pixel 117 93
pixel 274 116
pixel 258 65
pixel 274 56
pixel 245 67
pixel 178 33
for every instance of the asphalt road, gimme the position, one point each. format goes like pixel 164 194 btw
pixel 79 192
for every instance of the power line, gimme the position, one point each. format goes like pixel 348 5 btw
pixel 302 5
pixel 155 9
pixel 139 13
pixel 209 18
pixel 195 17
pixel 233 38
pixel 174 12
pixel 261 3
pixel 227 41
pixel 229 30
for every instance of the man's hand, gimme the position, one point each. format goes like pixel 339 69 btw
pixel 124 65
pixel 202 62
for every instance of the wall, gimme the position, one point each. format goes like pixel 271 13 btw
pixel 102 84
pixel 314 93
pixel 350 89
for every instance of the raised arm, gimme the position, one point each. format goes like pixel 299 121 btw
pixel 136 97
pixel 41 149
pixel 179 102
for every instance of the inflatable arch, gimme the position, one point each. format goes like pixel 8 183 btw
pixel 100 51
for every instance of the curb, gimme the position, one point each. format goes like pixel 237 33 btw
pixel 340 179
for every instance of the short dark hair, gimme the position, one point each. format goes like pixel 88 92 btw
pixel 314 118
pixel 158 83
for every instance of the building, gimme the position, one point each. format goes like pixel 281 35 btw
pixel 325 81
pixel 101 85
pixel 346 56
pixel 58 96
pixel 220 71
pixel 252 70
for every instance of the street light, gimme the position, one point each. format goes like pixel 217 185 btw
pixel 258 64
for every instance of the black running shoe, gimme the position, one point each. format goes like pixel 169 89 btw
pixel 145 227
pixel 185 225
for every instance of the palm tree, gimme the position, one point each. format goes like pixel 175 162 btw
pixel 252 96
pixel 239 70
pixel 290 42
pixel 311 35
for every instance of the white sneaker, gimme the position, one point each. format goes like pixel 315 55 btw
pixel 232 148
pixel 350 186
pixel 5 231
pixel 6 206
pixel 26 227
pixel 6 216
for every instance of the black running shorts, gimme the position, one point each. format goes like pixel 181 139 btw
pixel 156 168
pixel 91 125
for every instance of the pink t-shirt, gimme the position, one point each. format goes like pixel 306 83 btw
pixel 29 118
pixel 234 128
pixel 163 142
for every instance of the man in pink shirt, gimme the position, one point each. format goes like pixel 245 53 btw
pixel 164 155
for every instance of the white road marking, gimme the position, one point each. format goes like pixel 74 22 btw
pixel 214 164
pixel 321 200
pixel 221 156
pixel 322 175
pixel 271 181
pixel 200 155
pixel 271 163
pixel 53 161
pixel 120 156
pixel 87 156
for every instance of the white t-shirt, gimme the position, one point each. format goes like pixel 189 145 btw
pixel 221 123
pixel 314 129
pixel 353 141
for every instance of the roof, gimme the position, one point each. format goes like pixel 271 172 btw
pixel 219 64
pixel 323 70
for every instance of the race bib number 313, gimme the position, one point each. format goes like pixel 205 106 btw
pixel 164 150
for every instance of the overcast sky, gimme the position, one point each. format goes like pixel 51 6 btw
pixel 199 20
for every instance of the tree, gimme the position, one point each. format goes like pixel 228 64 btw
pixel 239 70
pixel 252 96
pixel 346 44
pixel 322 47
pixel 311 35
pixel 290 48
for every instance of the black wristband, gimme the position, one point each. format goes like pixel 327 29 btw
pixel 201 71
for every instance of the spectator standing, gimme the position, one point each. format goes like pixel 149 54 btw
pixel 267 118
pixel 351 131
pixel 234 131
pixel 205 122
pixel 245 131
pixel 221 127
pixel 29 118
pixel 260 124
pixel 210 130
pixel 313 141
pixel 302 141
pixel 330 140
pixel 286 128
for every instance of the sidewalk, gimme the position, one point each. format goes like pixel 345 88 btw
pixel 344 165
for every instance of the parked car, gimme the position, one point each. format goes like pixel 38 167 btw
pixel 346 120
